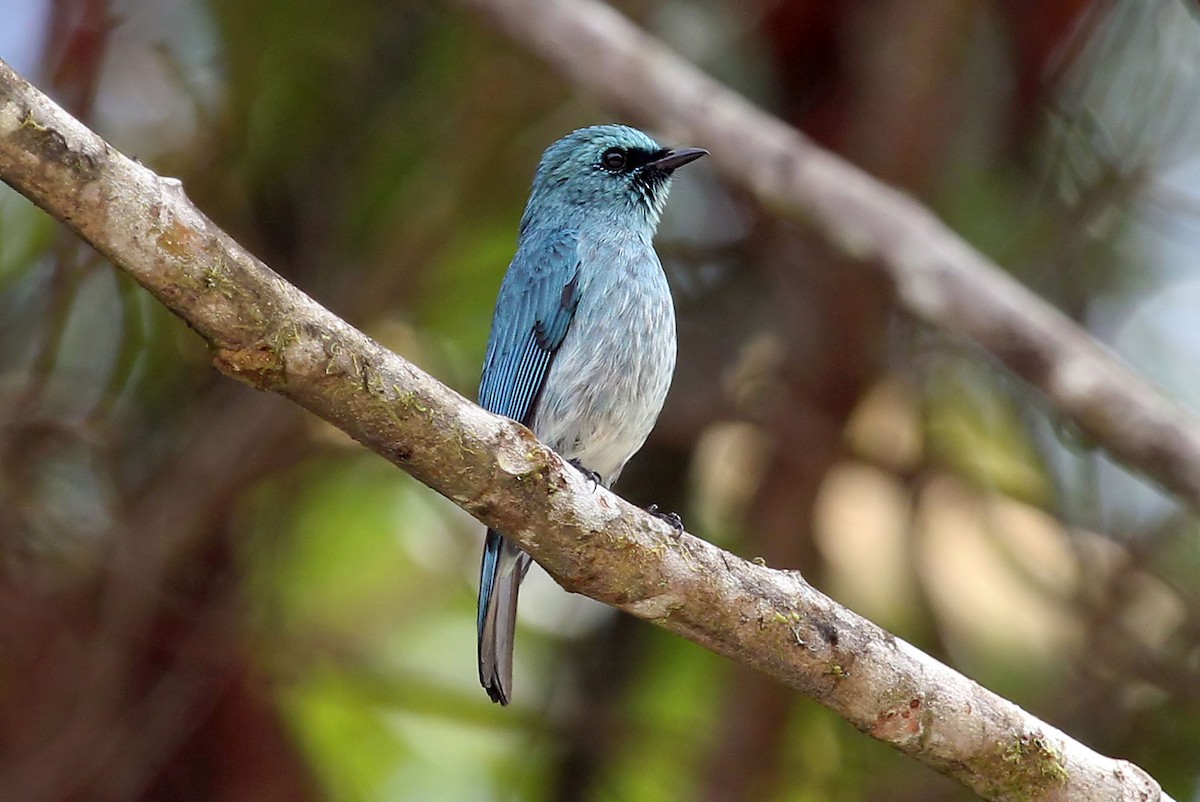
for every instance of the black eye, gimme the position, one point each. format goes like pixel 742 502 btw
pixel 613 159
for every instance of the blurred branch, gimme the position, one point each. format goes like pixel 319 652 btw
pixel 272 336
pixel 937 276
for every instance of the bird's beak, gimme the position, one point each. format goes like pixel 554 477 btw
pixel 676 158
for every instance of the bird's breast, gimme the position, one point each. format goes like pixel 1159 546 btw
pixel 609 380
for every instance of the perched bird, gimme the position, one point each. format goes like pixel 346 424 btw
pixel 583 339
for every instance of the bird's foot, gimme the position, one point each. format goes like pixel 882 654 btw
pixel 588 473
pixel 670 517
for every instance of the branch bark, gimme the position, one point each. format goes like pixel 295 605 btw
pixel 937 276
pixel 272 336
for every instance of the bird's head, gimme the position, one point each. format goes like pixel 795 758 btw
pixel 609 173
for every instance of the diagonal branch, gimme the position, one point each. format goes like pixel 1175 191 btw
pixel 272 336
pixel 937 276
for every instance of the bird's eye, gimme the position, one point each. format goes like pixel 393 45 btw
pixel 613 159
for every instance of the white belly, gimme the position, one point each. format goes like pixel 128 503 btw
pixel 609 379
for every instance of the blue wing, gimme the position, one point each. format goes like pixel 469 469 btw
pixel 536 304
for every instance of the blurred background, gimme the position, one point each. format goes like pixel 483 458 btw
pixel 206 594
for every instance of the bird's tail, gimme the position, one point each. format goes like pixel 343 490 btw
pixel 500 575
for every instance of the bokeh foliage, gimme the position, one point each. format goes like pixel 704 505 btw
pixel 264 611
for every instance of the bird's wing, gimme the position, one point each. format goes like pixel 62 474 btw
pixel 535 308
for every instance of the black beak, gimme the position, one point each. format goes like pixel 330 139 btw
pixel 676 158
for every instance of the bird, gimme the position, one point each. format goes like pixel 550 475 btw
pixel 583 343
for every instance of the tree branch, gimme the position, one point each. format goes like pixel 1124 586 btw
pixel 937 276
pixel 272 336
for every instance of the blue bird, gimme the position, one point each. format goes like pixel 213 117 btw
pixel 582 347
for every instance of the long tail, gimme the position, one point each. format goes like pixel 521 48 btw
pixel 504 566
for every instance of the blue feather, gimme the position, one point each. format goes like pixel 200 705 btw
pixel 537 302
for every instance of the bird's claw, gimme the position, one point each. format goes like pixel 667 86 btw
pixel 588 473
pixel 671 518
